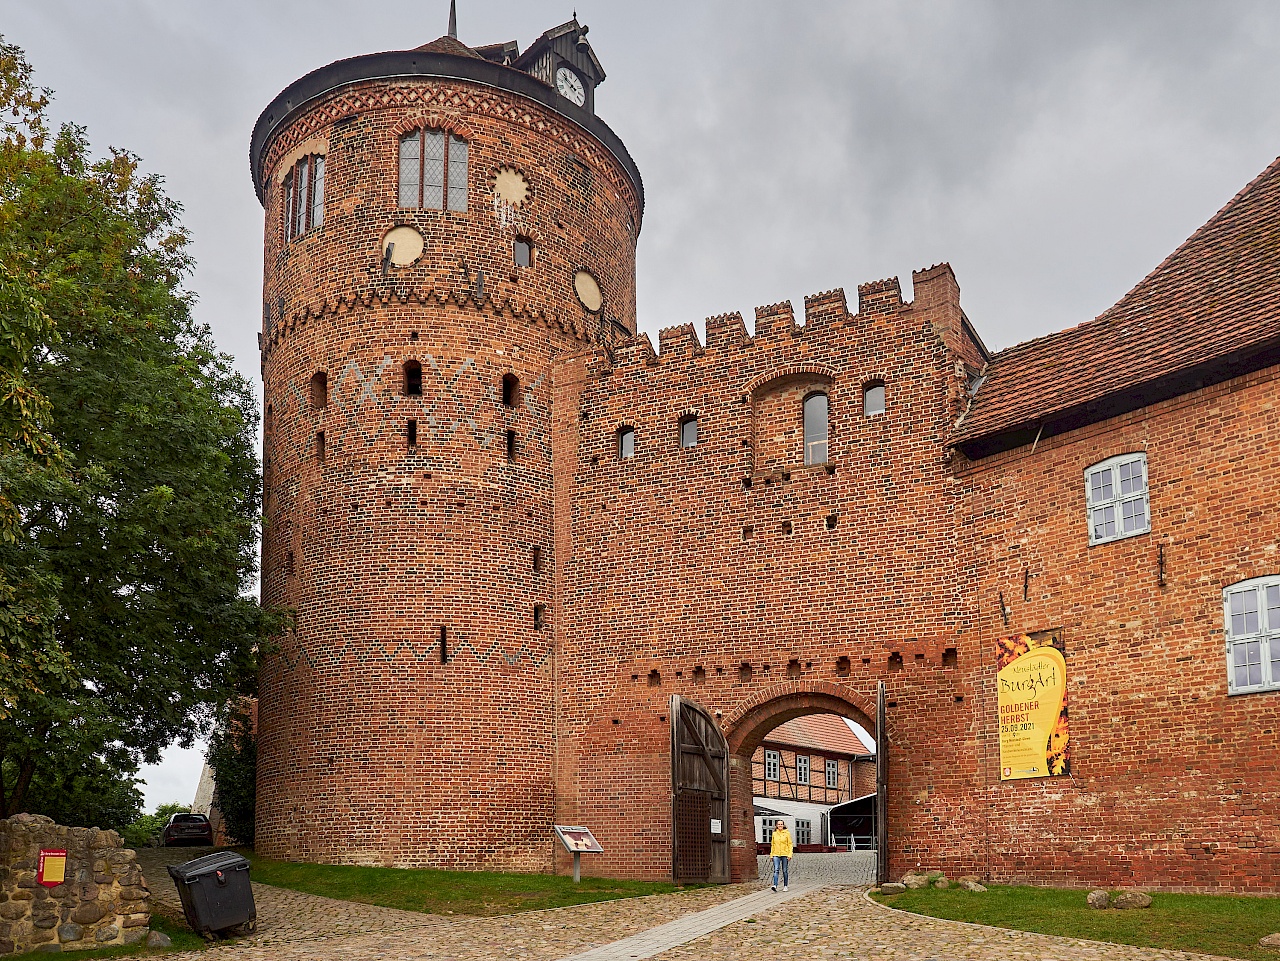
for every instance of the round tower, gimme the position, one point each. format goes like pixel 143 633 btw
pixel 441 224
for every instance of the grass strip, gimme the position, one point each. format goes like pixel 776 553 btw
pixel 481 893
pixel 1226 925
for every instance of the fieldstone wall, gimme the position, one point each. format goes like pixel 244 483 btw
pixel 104 899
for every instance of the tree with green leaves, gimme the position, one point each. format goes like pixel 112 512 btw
pixel 129 483
pixel 233 755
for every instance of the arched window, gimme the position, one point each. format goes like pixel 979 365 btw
pixel 873 398
pixel 319 390
pixel 689 432
pixel 433 170
pixel 815 428
pixel 510 390
pixel 523 252
pixel 1251 610
pixel 626 443
pixel 304 196
pixel 412 378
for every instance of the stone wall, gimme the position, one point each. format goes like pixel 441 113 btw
pixel 104 899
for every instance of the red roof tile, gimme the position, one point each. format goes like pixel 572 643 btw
pixel 450 45
pixel 823 732
pixel 1217 294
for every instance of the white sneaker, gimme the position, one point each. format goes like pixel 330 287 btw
pixel 784 887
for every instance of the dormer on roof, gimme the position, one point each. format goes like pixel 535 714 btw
pixel 505 53
pixel 562 58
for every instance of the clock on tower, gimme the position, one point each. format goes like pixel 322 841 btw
pixel 563 59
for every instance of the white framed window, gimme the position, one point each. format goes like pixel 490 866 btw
pixel 833 773
pixel 689 432
pixel 814 412
pixel 1251 610
pixel 626 442
pixel 804 831
pixel 771 764
pixel 802 769
pixel 766 830
pixel 1116 493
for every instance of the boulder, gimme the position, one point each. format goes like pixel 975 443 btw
pixel 70 931
pixel 1098 899
pixel 108 933
pixel 1131 899
pixel 134 935
pixel 942 884
pixel 915 881
pixel 892 887
pixel 158 939
pixel 977 887
pixel 1271 941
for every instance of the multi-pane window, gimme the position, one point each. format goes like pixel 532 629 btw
pixel 1116 492
pixel 815 429
pixel 804 831
pixel 772 762
pixel 304 196
pixel 802 769
pixel 433 170
pixel 833 773
pixel 1252 612
pixel 766 830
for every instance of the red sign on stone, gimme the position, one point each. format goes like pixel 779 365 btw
pixel 52 869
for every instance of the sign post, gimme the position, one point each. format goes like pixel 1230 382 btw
pixel 577 839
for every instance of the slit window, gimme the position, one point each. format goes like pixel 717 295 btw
pixel 433 170
pixel 511 445
pixel 626 443
pixel 539 616
pixel 510 390
pixel 412 378
pixel 319 390
pixel 411 433
pixel 1117 498
pixel 320 447
pixel 523 252
pixel 1251 610
pixel 537 558
pixel 815 428
pixel 304 196
pixel 873 398
pixel 689 432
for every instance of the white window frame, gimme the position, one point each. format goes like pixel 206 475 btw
pixel 802 769
pixel 1095 504
pixel 1263 635
pixel 772 763
pixel 833 773
pixel 804 829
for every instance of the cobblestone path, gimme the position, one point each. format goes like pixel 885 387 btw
pixel 836 921
pixel 849 867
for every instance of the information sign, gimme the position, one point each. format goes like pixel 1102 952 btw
pixel 51 869
pixel 1032 704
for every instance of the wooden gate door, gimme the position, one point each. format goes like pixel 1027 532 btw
pixel 700 795
pixel 882 790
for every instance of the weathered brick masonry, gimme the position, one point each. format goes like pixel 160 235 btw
pixel 421 695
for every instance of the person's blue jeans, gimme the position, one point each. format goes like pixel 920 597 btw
pixel 781 864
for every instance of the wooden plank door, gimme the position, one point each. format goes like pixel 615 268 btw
pixel 882 790
pixel 700 795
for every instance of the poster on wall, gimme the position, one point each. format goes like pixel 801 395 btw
pixel 1032 701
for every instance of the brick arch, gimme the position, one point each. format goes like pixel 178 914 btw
pixel 434 120
pixel 746 726
pixel 786 372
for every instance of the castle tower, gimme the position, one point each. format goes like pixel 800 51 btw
pixel 441 223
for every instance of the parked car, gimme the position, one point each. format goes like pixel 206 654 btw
pixel 187 829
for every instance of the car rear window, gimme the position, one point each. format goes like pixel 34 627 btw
pixel 189 819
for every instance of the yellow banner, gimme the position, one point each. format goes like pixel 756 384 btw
pixel 1032 703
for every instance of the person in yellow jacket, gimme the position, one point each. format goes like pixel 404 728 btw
pixel 781 851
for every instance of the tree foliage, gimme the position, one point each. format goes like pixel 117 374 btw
pixel 233 755
pixel 129 491
pixel 144 831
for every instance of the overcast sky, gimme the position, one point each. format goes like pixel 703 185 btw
pixel 1053 153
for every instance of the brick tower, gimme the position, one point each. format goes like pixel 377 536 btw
pixel 441 223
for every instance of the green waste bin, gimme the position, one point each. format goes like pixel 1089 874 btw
pixel 216 895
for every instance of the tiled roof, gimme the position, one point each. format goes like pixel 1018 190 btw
pixel 1216 297
pixel 821 732
pixel 451 45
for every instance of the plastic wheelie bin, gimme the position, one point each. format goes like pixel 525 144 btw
pixel 216 896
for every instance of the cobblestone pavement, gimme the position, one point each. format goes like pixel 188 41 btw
pixel 849 867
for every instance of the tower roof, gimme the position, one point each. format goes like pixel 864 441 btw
pixel 1209 312
pixel 450 45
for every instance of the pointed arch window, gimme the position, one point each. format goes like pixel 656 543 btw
pixel 815 428
pixel 433 170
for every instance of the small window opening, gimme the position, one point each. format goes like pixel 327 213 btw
pixel 895 661
pixel 320 446
pixel 748 532
pixel 815 428
pixel 537 558
pixel 412 378
pixel 539 616
pixel 626 443
pixel 689 432
pixel 411 433
pixel 744 672
pixel 873 398
pixel 269 423
pixel 699 675
pixel 655 679
pixel 290 564
pixel 949 657
pixel 524 252
pixel 444 644
pixel 413 335
pixel 842 667
pixel 793 668
pixel 511 445
pixel 319 390
pixel 832 521
pixel 787 528
pixel 510 390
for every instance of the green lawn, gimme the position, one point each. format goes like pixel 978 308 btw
pixel 1208 923
pixel 445 892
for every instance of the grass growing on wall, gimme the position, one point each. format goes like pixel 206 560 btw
pixel 446 892
pixel 1220 924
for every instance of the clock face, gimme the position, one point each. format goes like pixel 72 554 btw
pixel 570 86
